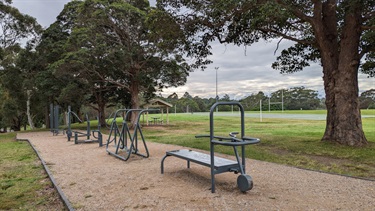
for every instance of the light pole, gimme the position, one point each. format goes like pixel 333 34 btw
pixel 282 100
pixel 217 96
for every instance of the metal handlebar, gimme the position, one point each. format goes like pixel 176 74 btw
pixel 233 140
pixel 233 134
pixel 217 137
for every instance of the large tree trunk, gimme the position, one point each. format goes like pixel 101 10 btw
pixel 134 92
pixel 29 117
pixel 16 126
pixel 101 109
pixel 344 124
pixel 102 119
pixel 340 68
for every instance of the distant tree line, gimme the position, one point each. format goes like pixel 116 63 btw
pixel 296 98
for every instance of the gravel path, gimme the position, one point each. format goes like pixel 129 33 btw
pixel 93 180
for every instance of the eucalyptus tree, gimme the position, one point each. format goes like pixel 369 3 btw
pixel 56 78
pixel 19 100
pixel 28 68
pixel 202 104
pixel 252 102
pixel 186 104
pixel 295 98
pixel 126 44
pixel 13 105
pixel 52 86
pixel 340 34
pixel 85 63
pixel 15 28
pixel 367 99
pixel 77 62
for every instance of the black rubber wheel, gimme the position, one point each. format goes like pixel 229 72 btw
pixel 244 182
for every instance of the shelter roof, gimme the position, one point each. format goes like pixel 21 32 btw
pixel 156 102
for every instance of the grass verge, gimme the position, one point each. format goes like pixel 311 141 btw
pixel 23 182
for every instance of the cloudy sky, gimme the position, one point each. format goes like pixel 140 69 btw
pixel 240 71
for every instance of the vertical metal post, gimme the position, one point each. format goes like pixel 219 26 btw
pixel 56 119
pixel 216 68
pixel 269 104
pixel 69 119
pixel 260 109
pixel 124 132
pixel 212 150
pixel 51 117
pixel 88 126
pixel 69 131
pixel 212 154
pixel 242 135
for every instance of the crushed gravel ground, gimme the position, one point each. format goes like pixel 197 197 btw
pixel 93 180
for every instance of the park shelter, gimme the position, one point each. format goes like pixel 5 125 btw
pixel 161 104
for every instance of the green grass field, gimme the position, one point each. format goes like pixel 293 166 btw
pixel 24 184
pixel 291 142
pixel 285 141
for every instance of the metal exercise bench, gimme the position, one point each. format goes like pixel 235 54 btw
pixel 118 139
pixel 220 165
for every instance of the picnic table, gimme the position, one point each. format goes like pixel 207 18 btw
pixel 156 120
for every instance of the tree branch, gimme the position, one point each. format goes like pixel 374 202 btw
pixel 298 13
pixel 277 46
pixel 365 50
pixel 306 42
pixel 368 16
pixel 363 28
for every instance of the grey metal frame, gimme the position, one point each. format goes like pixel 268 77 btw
pixel 122 142
pixel 220 165
pixel 54 119
pixel 98 137
pixel 118 137
pixel 69 131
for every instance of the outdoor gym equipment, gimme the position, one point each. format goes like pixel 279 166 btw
pixel 54 119
pixel 220 165
pixel 118 139
pixel 71 114
pixel 98 137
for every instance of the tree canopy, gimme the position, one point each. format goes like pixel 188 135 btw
pixel 338 34
pixel 110 51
